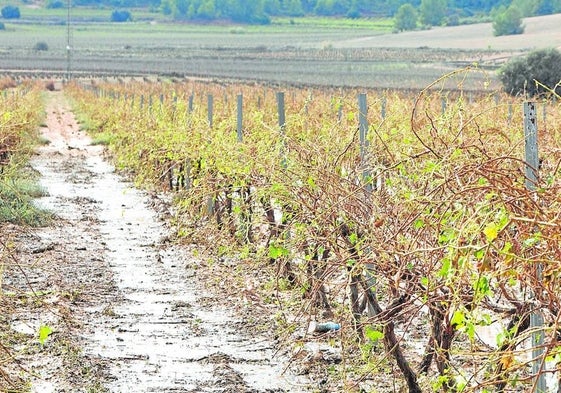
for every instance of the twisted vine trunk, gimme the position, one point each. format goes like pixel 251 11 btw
pixel 439 344
pixel 392 346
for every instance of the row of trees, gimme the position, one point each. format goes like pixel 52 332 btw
pixel 13 12
pixel 432 12
pixel 429 13
pixel 506 20
pixel 408 14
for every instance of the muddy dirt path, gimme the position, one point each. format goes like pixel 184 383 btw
pixel 127 305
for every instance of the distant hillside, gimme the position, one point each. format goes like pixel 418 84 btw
pixel 430 12
pixel 540 32
pixel 349 8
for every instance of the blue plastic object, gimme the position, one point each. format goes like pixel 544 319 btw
pixel 327 327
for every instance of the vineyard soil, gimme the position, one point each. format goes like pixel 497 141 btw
pixel 124 308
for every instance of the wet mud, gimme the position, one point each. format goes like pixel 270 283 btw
pixel 126 305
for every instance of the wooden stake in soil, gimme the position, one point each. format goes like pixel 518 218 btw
pixel 210 105
pixel 240 118
pixel 531 172
pixel 363 134
pixel 282 123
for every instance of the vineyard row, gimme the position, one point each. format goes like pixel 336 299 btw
pixel 412 225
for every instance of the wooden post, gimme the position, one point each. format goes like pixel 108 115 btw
pixel 210 105
pixel 340 110
pixel 191 98
pixel 531 145
pixel 544 127
pixel 240 118
pixel 531 172
pixel 210 108
pixel 282 122
pixel 280 110
pixel 363 134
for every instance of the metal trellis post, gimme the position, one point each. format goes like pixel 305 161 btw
pixel 531 172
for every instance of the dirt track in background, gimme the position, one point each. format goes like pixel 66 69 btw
pixel 126 306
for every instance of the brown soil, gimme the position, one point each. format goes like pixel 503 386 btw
pixel 127 307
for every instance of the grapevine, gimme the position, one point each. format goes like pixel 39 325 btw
pixel 425 249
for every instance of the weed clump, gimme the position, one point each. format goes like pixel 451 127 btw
pixel 41 46
pixel 17 137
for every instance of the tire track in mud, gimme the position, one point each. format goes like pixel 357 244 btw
pixel 141 313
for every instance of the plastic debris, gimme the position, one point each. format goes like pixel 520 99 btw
pixel 323 327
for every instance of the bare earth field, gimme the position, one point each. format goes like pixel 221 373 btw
pixel 342 56
pixel 540 32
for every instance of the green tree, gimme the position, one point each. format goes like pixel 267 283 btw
pixel 180 8
pixel 41 46
pixel 519 76
pixel 294 8
pixel 54 4
pixel 545 7
pixel 354 10
pixel 406 18
pixel 243 11
pixel 10 12
pixel 166 7
pixel 121 16
pixel 526 7
pixel 272 7
pixel 332 7
pixel 433 11
pixel 206 10
pixel 508 22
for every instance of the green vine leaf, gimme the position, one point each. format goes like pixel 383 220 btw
pixel 373 334
pixel 491 231
pixel 44 333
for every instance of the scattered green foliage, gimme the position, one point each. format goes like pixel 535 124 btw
pixel 121 16
pixel 432 12
pixel 10 12
pixel 55 4
pixel 537 73
pixel 44 333
pixel 435 253
pixel 17 206
pixel 41 46
pixel 19 119
pixel 508 21
pixel 406 18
